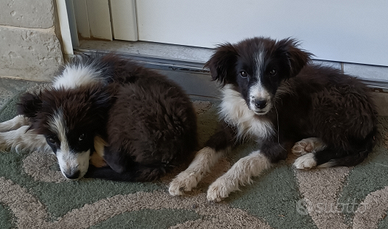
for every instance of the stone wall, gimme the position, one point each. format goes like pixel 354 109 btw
pixel 29 46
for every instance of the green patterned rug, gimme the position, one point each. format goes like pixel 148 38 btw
pixel 33 194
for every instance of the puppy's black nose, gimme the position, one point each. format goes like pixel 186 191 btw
pixel 74 175
pixel 260 104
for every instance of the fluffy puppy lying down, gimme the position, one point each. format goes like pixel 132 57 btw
pixel 132 123
pixel 270 93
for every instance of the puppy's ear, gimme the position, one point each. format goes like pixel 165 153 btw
pixel 222 63
pixel 101 101
pixel 297 58
pixel 29 105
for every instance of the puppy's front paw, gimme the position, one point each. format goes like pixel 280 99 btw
pixel 218 191
pixel 97 161
pixel 185 181
pixel 306 161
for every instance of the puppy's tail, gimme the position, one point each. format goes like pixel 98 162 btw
pixel 137 173
pixel 358 155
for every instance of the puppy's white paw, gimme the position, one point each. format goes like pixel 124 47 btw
pixel 218 190
pixel 307 145
pixel 185 181
pixel 306 161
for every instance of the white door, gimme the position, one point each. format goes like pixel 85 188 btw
pixel 354 31
pixel 345 31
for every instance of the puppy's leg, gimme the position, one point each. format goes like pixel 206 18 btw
pixel 23 139
pixel 204 160
pixel 188 179
pixel 306 161
pixel 332 156
pixel 307 149
pixel 250 166
pixel 97 158
pixel 14 123
pixel 240 174
pixel 308 145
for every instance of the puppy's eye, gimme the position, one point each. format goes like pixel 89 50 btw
pixel 243 74
pixel 51 140
pixel 81 137
pixel 272 72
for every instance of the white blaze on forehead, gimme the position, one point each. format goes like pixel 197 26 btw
pixel 259 61
pixel 57 125
pixel 68 160
pixel 257 91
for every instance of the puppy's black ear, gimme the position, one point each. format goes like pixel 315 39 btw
pixel 297 58
pixel 101 101
pixel 29 105
pixel 222 63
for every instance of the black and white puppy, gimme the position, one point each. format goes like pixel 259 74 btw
pixel 270 93
pixel 132 123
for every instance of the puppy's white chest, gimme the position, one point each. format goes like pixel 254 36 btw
pixel 234 111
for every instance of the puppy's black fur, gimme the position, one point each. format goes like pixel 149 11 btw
pixel 307 100
pixel 273 95
pixel 146 122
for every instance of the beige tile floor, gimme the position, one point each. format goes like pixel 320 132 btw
pixel 381 100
